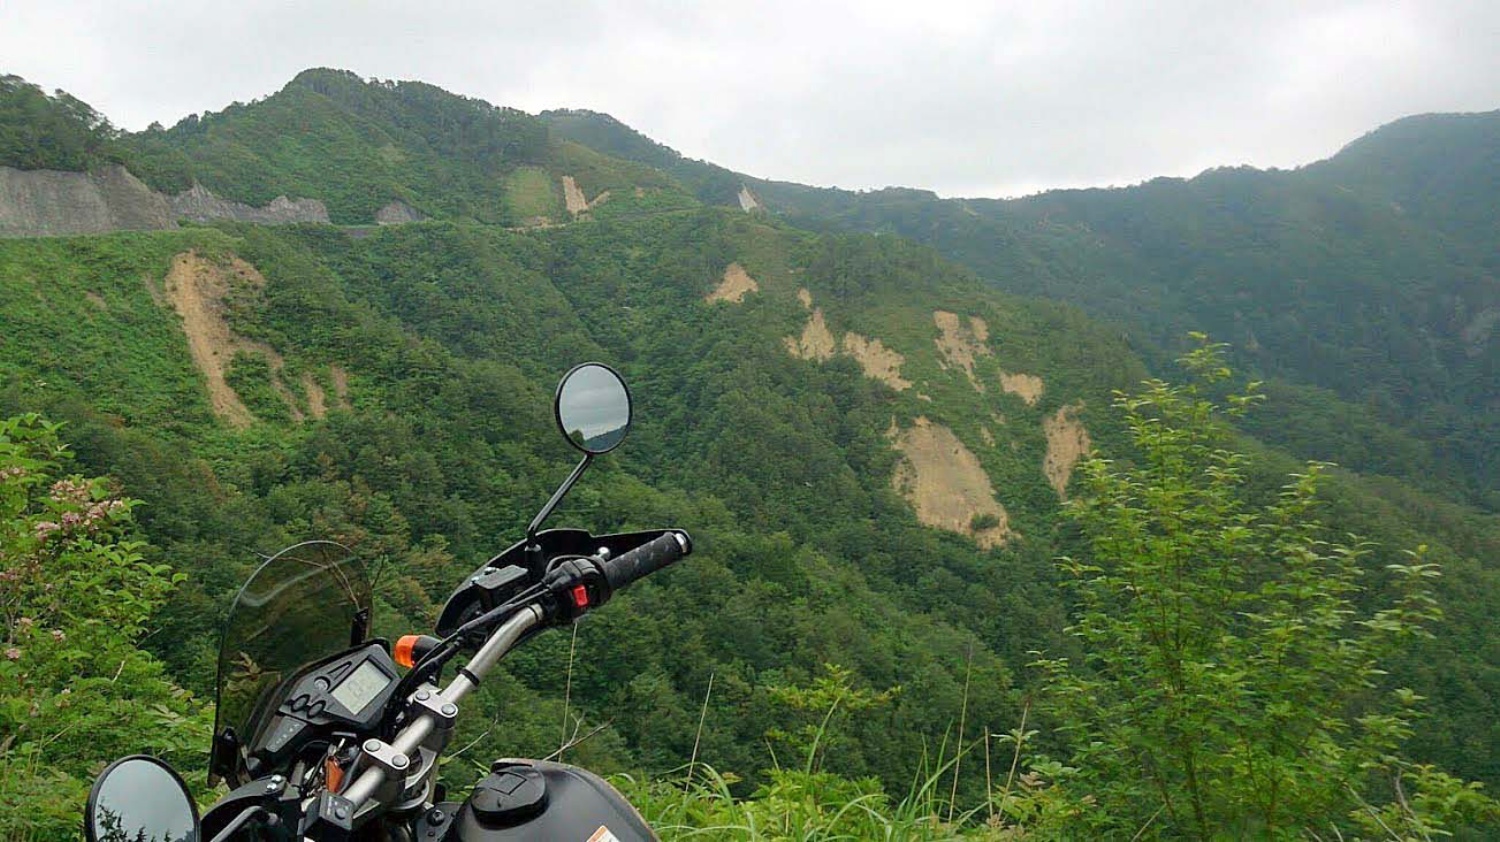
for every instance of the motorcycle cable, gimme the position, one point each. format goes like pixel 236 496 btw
pixel 432 664
pixel 453 643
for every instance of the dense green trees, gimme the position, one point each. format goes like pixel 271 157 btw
pixel 778 465
pixel 358 145
pixel 1370 276
pixel 51 132
pixel 448 336
pixel 1231 685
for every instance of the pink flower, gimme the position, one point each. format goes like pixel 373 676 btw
pixel 13 653
pixel 70 519
pixel 45 528
pixel 58 635
pixel 65 489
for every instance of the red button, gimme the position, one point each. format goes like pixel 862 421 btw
pixel 580 596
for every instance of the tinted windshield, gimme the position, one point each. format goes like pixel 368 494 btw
pixel 305 603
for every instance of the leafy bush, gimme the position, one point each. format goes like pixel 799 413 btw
pixel 1230 684
pixel 75 596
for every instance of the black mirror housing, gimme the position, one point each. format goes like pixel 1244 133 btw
pixel 140 797
pixel 592 408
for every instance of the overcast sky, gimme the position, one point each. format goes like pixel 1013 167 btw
pixel 965 98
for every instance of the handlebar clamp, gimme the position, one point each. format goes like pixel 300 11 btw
pixel 428 701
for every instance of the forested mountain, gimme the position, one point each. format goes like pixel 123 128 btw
pixel 871 443
pixel 1364 287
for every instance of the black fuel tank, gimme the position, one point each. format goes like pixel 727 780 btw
pixel 534 800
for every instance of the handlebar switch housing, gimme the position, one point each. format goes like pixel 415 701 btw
pixel 576 586
pixel 330 817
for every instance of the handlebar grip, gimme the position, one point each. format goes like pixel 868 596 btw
pixel 646 559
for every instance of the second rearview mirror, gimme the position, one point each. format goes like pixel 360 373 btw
pixel 593 408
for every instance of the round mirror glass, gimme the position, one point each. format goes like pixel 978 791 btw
pixel 593 408
pixel 140 798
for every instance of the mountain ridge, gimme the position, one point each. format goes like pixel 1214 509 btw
pixel 797 425
pixel 1271 261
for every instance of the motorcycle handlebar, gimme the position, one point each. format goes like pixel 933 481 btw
pixel 618 572
pixel 646 559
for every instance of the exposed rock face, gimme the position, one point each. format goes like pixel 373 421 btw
pixel 200 205
pixel 49 203
pixel 748 202
pixel 396 213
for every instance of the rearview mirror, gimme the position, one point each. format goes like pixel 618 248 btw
pixel 140 797
pixel 593 408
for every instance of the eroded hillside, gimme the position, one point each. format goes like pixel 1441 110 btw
pixel 198 289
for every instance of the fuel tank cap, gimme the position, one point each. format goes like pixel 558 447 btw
pixel 512 793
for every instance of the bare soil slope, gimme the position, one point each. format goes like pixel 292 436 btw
pixel 960 343
pixel 1067 442
pixel 946 485
pixel 736 285
pixel 196 288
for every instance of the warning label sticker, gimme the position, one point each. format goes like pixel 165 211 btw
pixel 603 835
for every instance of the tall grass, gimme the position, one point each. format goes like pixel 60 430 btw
pixel 807 804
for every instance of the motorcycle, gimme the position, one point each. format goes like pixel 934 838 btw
pixel 322 733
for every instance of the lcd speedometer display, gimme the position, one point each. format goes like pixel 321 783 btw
pixel 361 687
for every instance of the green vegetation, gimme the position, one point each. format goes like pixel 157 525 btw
pixel 1230 685
pixel 1369 278
pixel 358 146
pixel 823 648
pixel 250 376
pixel 54 132
pixel 76 596
pixel 532 194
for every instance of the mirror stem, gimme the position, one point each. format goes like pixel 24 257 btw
pixel 533 551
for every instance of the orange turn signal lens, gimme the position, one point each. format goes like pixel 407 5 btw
pixel 405 653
